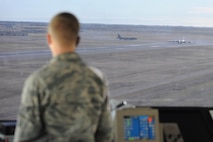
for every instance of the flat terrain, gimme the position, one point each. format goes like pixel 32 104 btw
pixel 149 71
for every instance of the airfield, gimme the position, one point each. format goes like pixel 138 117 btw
pixel 148 71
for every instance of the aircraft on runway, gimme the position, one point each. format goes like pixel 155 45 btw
pixel 126 38
pixel 183 41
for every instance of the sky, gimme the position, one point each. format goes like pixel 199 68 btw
pixel 197 13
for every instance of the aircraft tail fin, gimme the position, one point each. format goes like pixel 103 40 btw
pixel 119 36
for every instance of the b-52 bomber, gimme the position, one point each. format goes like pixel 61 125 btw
pixel 183 41
pixel 126 38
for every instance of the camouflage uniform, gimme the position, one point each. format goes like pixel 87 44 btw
pixel 65 101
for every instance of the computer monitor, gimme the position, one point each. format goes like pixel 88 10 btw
pixel 137 125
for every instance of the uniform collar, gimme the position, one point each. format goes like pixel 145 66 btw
pixel 69 56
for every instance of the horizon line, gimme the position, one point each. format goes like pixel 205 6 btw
pixel 99 23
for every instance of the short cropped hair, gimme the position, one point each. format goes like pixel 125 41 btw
pixel 64 28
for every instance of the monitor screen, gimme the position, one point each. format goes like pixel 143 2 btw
pixel 137 125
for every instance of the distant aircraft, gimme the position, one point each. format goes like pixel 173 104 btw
pixel 126 38
pixel 181 41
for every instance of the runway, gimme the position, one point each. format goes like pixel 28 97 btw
pixel 115 48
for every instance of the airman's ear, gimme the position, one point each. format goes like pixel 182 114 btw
pixel 48 38
pixel 77 40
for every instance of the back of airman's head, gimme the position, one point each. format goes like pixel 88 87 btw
pixel 64 28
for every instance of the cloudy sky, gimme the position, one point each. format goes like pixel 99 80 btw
pixel 136 12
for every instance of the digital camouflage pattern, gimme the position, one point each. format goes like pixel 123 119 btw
pixel 65 101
